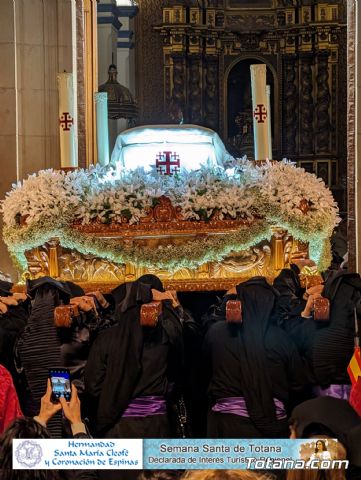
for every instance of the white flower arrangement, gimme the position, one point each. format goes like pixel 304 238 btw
pixel 51 201
pixel 285 186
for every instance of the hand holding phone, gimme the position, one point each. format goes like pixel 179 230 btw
pixel 47 408
pixel 72 409
pixel 60 383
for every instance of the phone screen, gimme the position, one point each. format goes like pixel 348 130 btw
pixel 60 383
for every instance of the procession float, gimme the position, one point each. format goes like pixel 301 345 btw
pixel 172 202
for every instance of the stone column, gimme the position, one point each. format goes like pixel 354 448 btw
pixel 35 44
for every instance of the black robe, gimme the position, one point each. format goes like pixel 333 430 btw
pixel 129 361
pixel 290 303
pixel 39 349
pixel 327 347
pixel 255 360
pixel 332 346
pixel 12 323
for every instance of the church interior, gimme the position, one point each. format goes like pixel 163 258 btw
pixel 180 194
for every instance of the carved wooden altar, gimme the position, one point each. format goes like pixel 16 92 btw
pixel 197 46
pixel 164 226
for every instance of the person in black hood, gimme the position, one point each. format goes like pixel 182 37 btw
pixel 290 302
pixel 44 345
pixel 334 418
pixel 13 318
pixel 130 366
pixel 252 366
pixel 38 348
pixel 293 300
pixel 328 346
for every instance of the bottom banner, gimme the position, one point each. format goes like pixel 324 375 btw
pixel 187 454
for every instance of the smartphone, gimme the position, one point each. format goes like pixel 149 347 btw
pixel 60 383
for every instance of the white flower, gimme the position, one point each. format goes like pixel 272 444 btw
pixel 53 199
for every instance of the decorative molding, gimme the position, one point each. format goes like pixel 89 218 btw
pixel 306 131
pixel 323 125
pixel 290 93
pixel 227 34
pixel 250 23
pixel 149 63
pixel 352 80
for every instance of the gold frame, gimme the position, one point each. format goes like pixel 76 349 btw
pixel 164 226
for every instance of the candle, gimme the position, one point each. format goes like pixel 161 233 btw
pixel 66 120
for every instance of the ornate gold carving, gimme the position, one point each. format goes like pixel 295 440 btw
pixel 287 249
pixel 163 226
pixel 53 258
pixel 162 218
pixel 38 262
pixel 299 250
pixel 285 35
pixel 252 262
pixel 95 272
pixel 250 22
pixel 278 247
pixel 76 267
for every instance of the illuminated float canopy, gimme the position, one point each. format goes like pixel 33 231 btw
pixel 204 229
pixel 168 149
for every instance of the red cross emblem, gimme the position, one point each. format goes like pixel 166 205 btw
pixel 66 121
pixel 167 163
pixel 261 112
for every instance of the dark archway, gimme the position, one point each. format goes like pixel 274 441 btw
pixel 239 107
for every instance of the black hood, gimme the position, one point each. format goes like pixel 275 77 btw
pixel 337 416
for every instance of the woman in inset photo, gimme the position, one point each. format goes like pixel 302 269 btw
pixel 321 452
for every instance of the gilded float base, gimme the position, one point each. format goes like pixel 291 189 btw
pixel 266 259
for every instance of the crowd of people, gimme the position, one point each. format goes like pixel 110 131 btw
pixel 254 362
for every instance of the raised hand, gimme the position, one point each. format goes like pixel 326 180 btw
pixel 72 409
pixel 47 408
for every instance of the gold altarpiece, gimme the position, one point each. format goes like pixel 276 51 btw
pixel 190 52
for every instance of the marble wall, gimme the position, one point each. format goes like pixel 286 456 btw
pixel 35 44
